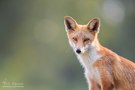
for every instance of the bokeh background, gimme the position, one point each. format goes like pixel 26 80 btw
pixel 34 49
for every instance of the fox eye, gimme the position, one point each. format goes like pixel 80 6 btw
pixel 87 39
pixel 75 39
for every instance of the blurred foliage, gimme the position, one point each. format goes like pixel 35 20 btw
pixel 34 48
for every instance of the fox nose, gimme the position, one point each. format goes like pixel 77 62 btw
pixel 78 51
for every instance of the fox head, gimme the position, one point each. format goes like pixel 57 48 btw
pixel 82 38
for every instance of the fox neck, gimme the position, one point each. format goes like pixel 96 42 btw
pixel 88 58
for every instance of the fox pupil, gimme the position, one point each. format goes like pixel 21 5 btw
pixel 75 39
pixel 87 39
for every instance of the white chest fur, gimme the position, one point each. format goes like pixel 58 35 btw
pixel 87 60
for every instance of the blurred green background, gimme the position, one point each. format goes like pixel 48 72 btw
pixel 34 49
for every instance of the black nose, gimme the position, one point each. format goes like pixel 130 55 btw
pixel 78 51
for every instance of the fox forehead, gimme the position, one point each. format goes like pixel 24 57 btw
pixel 81 31
pixel 82 28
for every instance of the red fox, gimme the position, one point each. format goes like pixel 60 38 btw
pixel 104 69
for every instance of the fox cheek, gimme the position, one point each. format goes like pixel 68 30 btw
pixel 72 44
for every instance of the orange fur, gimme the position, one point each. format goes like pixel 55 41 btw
pixel 104 69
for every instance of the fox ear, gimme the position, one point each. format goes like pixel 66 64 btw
pixel 94 25
pixel 70 23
